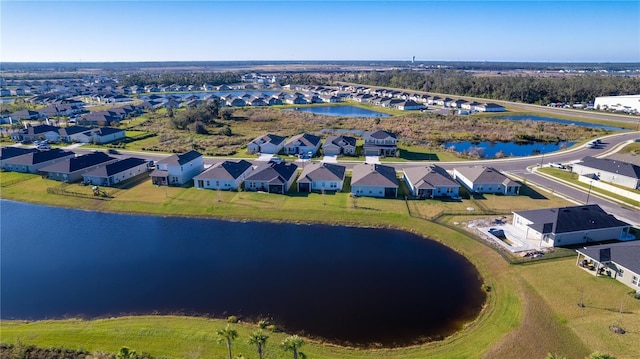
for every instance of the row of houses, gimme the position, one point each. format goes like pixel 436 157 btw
pixel 69 134
pixel 376 143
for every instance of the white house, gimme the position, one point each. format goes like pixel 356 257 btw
pixel 268 143
pixel 374 180
pixel 608 170
pixel 302 144
pixel 566 226
pixel 628 103
pixel 227 175
pixel 177 170
pixel 430 181
pixel 481 179
pixel 116 172
pixel 318 176
pixel 620 261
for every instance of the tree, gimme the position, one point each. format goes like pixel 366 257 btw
pixel 293 344
pixel 228 335
pixel 259 339
pixel 126 353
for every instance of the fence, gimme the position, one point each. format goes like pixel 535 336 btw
pixel 62 191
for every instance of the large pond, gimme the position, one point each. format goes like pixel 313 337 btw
pixel 343 110
pixel 346 285
pixel 487 149
pixel 557 120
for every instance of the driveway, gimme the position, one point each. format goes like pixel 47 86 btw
pixel 266 157
pixel 372 159
pixel 330 159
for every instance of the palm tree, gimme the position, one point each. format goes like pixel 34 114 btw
pixel 293 343
pixel 228 335
pixel 598 355
pixel 259 339
pixel 555 356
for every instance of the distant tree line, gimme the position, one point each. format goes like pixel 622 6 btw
pixel 518 88
pixel 182 79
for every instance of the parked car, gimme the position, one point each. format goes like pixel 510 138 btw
pixel 557 165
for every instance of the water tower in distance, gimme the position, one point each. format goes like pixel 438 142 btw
pixel 413 59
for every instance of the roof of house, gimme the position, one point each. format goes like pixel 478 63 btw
pixel 612 166
pixel 304 139
pixel 104 131
pixel 429 177
pixel 379 134
pixel 34 130
pixel 72 130
pixel 340 141
pixel 269 138
pixel 38 157
pixel 9 152
pixel 181 159
pixel 116 167
pixel 322 171
pixel 74 164
pixel 571 219
pixel 374 175
pixel 482 174
pixel 274 172
pixel 227 170
pixel 626 254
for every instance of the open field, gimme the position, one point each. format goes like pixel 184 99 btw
pixel 527 312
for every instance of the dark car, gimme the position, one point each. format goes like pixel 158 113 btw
pixel 113 152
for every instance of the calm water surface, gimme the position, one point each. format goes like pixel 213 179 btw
pixel 345 111
pixel 347 285
pixel 490 149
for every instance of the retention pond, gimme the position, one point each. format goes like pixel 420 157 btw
pixel 357 286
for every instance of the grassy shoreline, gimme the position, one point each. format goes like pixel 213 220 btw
pixel 513 307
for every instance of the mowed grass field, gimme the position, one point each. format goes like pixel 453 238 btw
pixel 531 310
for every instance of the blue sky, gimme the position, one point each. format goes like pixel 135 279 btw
pixel 545 31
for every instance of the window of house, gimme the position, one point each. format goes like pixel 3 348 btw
pixel 634 280
pixel 621 273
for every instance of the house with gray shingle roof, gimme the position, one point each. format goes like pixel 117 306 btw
pixel 116 172
pixel 618 260
pixel 32 162
pixel 319 176
pixel 481 179
pixel 339 145
pixel 570 225
pixel 177 169
pixel 374 180
pixel 302 144
pixel 272 177
pixel 71 169
pixel 268 143
pixel 380 143
pixel 227 175
pixel 430 181
pixel 608 170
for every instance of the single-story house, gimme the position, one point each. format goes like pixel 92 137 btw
pixel 177 169
pixel 481 179
pixel 570 225
pixel 268 143
pixel 71 169
pixel 33 161
pixel 227 175
pixel 116 172
pixel 380 143
pixel 9 152
pixel 39 132
pixel 302 144
pixel 430 181
pixel 618 260
pixel 339 145
pixel 374 180
pixel 318 176
pixel 272 177
pixel 72 133
pixel 608 170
